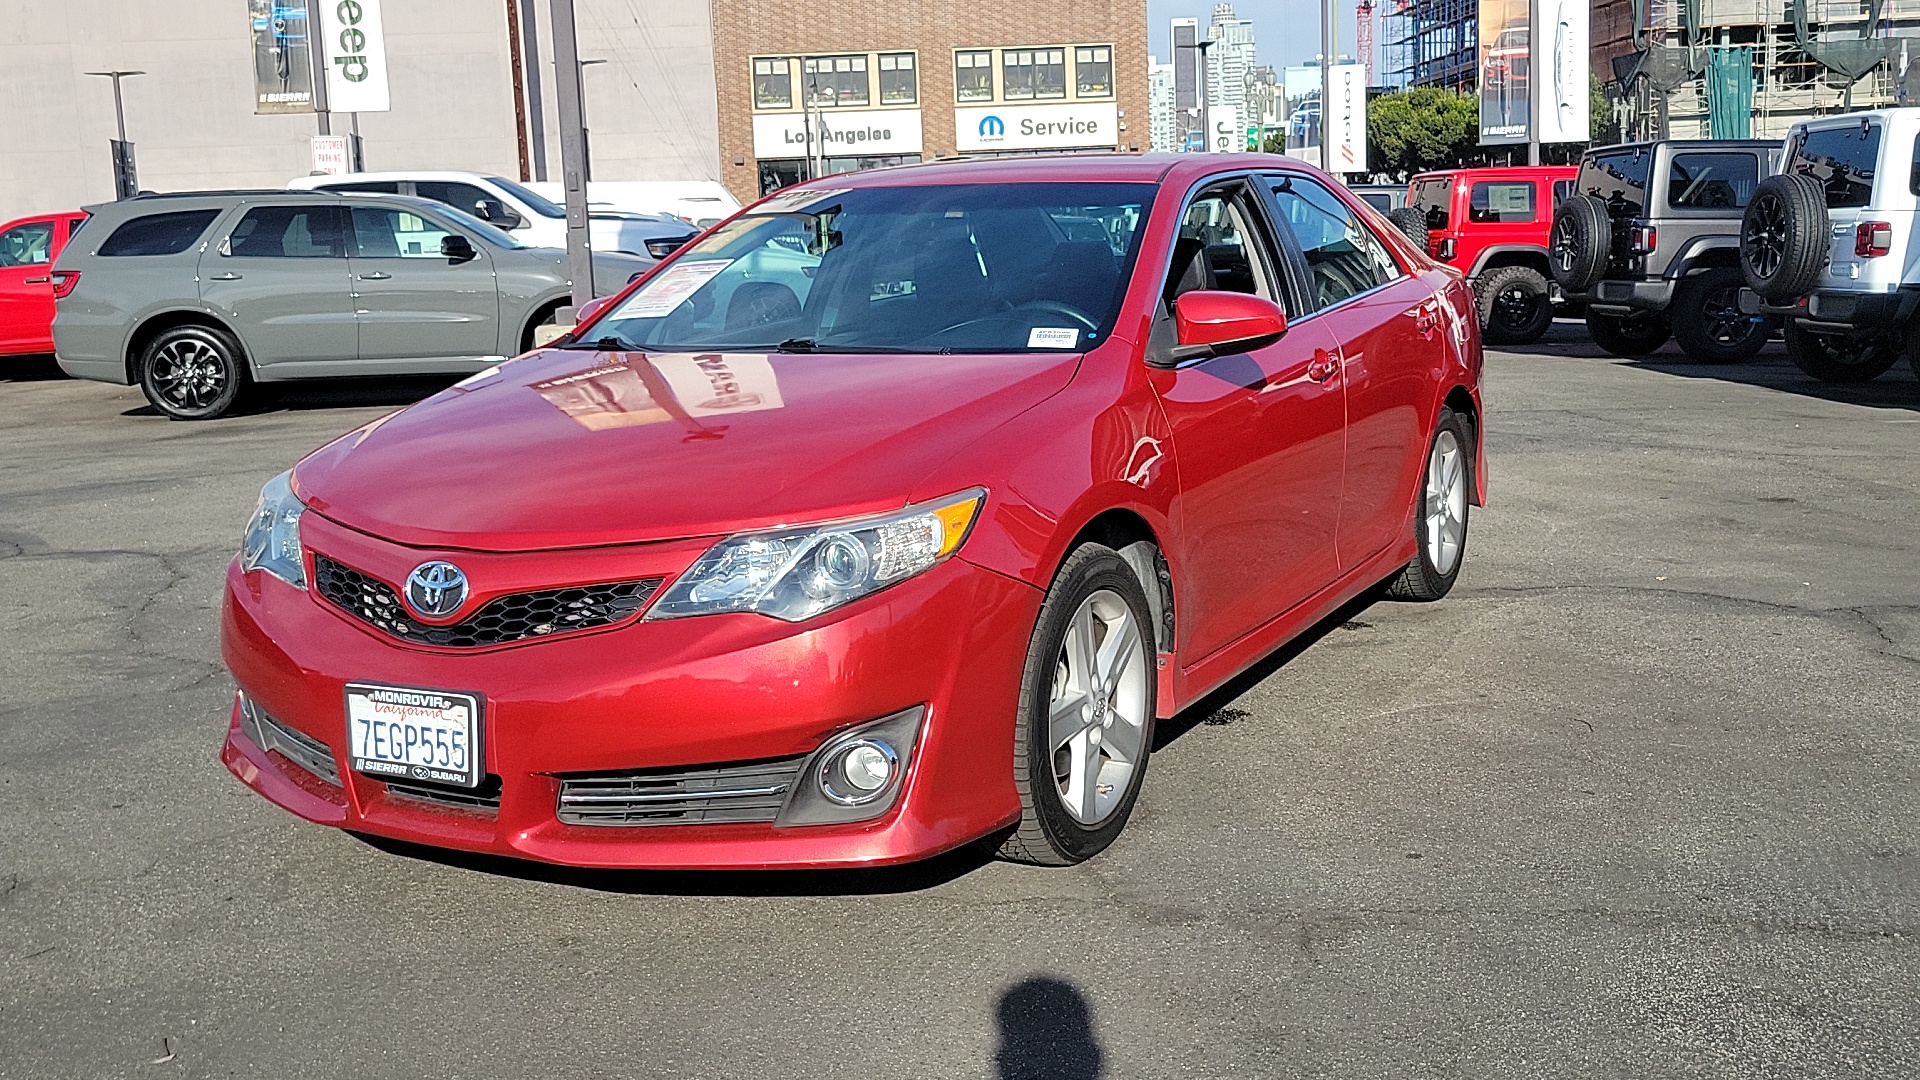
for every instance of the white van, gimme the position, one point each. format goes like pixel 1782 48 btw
pixel 700 203
pixel 530 217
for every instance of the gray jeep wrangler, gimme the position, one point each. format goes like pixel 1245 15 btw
pixel 1650 241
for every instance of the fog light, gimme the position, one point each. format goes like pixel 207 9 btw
pixel 858 772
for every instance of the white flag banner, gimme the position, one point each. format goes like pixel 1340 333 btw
pixel 1560 59
pixel 1346 119
pixel 356 52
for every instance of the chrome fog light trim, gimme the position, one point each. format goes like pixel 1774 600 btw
pixel 837 783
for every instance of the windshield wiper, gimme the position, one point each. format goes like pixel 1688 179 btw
pixel 608 343
pixel 795 344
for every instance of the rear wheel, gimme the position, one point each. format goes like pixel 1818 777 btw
pixel 1708 323
pixel 1839 358
pixel 1086 712
pixel 1579 242
pixel 1783 236
pixel 1514 306
pixel 194 372
pixel 1440 526
pixel 1629 335
pixel 1412 221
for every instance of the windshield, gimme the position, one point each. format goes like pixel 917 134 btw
pixel 474 228
pixel 536 202
pixel 952 268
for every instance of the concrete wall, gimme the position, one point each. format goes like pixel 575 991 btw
pixel 651 107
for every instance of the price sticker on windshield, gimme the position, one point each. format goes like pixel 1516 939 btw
pixel 670 289
pixel 1052 337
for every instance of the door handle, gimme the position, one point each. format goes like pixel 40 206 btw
pixel 1322 366
pixel 376 276
pixel 38 280
pixel 226 276
pixel 1426 318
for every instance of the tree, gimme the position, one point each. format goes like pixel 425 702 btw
pixel 1410 131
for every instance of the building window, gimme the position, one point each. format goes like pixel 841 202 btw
pixel 836 80
pixel 772 84
pixel 1031 74
pixel 898 85
pixel 1093 71
pixel 973 76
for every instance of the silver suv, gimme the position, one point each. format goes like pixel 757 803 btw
pixel 1650 240
pixel 196 297
pixel 1830 244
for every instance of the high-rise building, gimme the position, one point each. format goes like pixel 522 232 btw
pixel 1165 134
pixel 1230 59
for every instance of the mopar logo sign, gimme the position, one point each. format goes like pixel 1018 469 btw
pixel 1037 127
pixel 991 126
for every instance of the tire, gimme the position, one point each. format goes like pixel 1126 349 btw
pixel 1783 237
pixel 540 318
pixel 194 373
pixel 1629 335
pixel 1514 305
pixel 1838 358
pixel 1413 222
pixel 1093 596
pixel 1707 321
pixel 1440 526
pixel 1579 243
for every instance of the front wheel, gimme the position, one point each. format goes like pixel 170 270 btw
pixel 1440 526
pixel 194 372
pixel 1086 712
pixel 1839 358
pixel 1515 308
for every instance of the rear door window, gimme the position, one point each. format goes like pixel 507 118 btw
pixel 159 234
pixel 1841 158
pixel 381 232
pixel 1343 256
pixel 1433 198
pixel 1500 202
pixel 1619 180
pixel 288 232
pixel 1712 181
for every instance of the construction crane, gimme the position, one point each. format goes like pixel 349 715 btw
pixel 1363 35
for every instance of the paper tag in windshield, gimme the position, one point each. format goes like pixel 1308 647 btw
pixel 1052 337
pixel 670 288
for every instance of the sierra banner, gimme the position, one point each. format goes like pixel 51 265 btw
pixel 1505 71
pixel 282 65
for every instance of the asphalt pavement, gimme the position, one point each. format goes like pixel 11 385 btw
pixel 1639 799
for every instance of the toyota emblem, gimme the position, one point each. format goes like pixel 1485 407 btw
pixel 436 588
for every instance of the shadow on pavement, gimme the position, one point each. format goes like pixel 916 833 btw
pixel 32 368
pixel 1897 389
pixel 883 880
pixel 1046 1033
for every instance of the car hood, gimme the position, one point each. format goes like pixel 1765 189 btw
pixel 568 448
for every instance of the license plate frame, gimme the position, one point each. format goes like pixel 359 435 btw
pixel 408 722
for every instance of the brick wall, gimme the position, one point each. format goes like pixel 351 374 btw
pixel 743 29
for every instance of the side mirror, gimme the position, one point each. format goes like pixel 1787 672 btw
pixel 458 248
pixel 1208 322
pixel 496 213
pixel 590 310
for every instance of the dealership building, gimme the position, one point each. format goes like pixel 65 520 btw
pixel 751 93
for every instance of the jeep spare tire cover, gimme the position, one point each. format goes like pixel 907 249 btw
pixel 1412 221
pixel 1581 240
pixel 1783 237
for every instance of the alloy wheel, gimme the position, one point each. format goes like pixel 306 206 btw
pixel 189 374
pixel 1764 235
pixel 1446 506
pixel 1725 323
pixel 1561 244
pixel 1097 711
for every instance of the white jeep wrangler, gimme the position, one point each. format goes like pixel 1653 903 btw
pixel 1831 244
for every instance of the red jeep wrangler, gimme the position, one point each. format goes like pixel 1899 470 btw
pixel 1492 224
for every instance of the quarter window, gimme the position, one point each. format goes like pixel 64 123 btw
pixel 772 83
pixel 1033 74
pixel 1434 198
pixel 836 80
pixel 159 234
pixel 973 76
pixel 27 245
pixel 1500 202
pixel 899 83
pixel 1093 71
pixel 288 232
pixel 1712 181
pixel 1619 180
pixel 1343 256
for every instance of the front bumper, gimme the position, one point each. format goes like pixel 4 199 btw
pixel 683 692
pixel 1858 313
pixel 1629 296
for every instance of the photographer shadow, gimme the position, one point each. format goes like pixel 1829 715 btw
pixel 1046 1033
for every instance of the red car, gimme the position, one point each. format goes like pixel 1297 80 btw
pixel 28 247
pixel 1493 225
pixel 889 515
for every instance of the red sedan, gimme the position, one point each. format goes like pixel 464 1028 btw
pixel 888 516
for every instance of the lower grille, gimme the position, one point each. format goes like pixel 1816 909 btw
pixel 750 791
pixel 271 735
pixel 503 619
pixel 485 797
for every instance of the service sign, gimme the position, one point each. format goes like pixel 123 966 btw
pixel 355 47
pixel 1560 50
pixel 1036 127
pixel 837 133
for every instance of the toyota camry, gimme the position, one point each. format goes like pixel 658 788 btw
pixel 887 517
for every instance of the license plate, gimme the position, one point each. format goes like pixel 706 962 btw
pixel 408 733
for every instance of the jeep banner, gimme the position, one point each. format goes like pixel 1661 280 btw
pixel 355 48
pixel 282 66
pixel 1505 71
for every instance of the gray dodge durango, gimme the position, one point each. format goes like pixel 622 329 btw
pixel 196 297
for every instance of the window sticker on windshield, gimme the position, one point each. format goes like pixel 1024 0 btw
pixel 792 202
pixel 671 288
pixel 1052 337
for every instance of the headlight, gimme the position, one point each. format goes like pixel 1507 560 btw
pixel 795 574
pixel 273 536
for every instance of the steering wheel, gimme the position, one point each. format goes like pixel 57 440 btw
pixel 1055 307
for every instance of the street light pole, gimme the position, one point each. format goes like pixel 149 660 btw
pixel 1326 84
pixel 1206 127
pixel 126 182
pixel 566 70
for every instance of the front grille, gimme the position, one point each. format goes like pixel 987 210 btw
pixel 303 750
pixel 750 791
pixel 485 797
pixel 503 619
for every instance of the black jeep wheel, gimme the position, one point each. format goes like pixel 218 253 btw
pixel 1839 358
pixel 1629 335
pixel 1514 306
pixel 1708 323
pixel 1578 246
pixel 1783 237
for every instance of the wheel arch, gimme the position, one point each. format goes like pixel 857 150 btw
pixel 1505 255
pixel 541 313
pixel 1127 532
pixel 155 324
pixel 1466 405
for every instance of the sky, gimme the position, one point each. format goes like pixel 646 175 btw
pixel 1285 32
